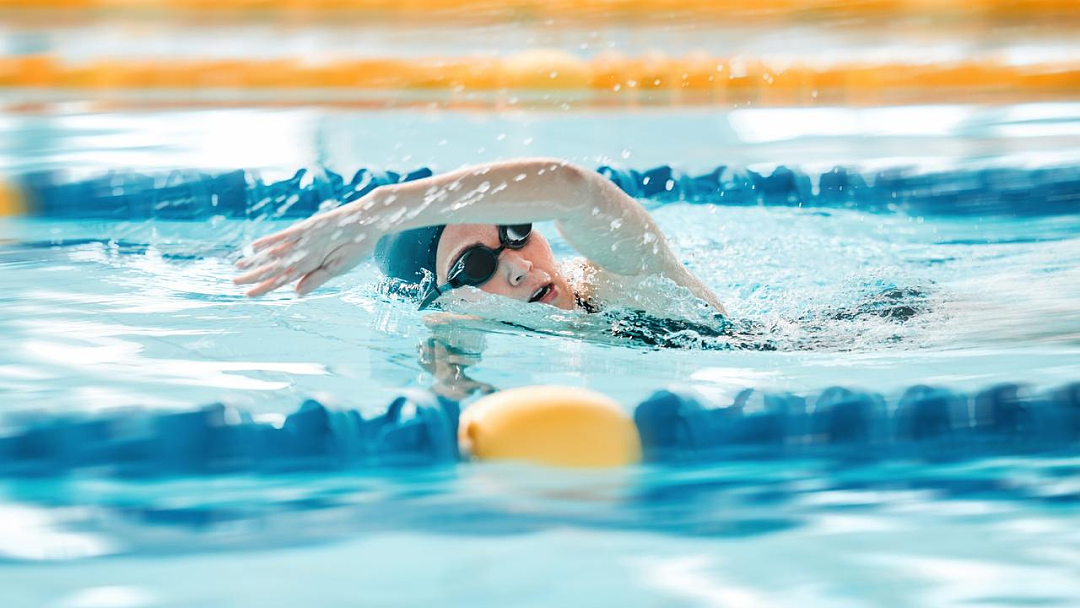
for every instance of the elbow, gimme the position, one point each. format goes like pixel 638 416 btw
pixel 574 175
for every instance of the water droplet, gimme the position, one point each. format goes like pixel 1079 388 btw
pixel 500 137
pixel 625 154
pixel 616 87
pixel 553 74
pixel 527 141
pixel 520 177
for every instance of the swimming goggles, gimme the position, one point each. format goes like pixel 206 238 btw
pixel 478 263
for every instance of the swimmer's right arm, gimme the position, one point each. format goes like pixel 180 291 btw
pixel 603 223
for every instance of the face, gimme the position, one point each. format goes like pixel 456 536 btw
pixel 522 273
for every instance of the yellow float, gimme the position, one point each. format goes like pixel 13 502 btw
pixel 550 425
pixel 11 202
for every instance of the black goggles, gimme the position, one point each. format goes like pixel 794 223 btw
pixel 478 263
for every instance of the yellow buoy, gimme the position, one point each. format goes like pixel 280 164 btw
pixel 11 203
pixel 550 425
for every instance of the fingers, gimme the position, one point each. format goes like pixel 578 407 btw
pixel 285 236
pixel 313 280
pixel 266 254
pixel 261 273
pixel 300 253
pixel 273 283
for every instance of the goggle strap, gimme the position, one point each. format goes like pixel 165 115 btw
pixel 432 295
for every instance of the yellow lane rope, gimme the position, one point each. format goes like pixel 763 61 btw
pixel 573 9
pixel 697 77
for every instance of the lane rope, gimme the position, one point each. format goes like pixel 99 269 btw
pixel 608 77
pixel 556 426
pixel 197 195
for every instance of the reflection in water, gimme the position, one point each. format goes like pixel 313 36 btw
pixel 448 353
pixel 730 500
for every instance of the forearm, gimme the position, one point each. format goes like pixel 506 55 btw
pixel 597 218
pixel 510 192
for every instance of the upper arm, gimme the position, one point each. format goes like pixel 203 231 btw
pixel 616 234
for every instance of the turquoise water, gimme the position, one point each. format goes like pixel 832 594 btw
pixel 97 316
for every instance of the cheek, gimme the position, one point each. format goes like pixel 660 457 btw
pixel 497 287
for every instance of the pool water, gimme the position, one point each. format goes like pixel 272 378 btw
pixel 97 316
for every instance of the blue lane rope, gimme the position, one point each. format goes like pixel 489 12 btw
pixel 420 429
pixel 925 421
pixel 195 195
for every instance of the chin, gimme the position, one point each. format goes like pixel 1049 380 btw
pixel 565 302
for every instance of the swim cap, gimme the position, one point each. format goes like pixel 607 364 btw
pixel 409 255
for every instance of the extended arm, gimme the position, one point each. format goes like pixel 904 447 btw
pixel 597 218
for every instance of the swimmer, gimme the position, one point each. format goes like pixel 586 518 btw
pixel 473 228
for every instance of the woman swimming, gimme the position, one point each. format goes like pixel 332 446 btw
pixel 472 227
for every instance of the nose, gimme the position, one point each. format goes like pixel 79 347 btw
pixel 517 267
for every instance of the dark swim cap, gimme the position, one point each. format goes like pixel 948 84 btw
pixel 410 255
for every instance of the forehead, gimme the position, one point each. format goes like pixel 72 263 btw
pixel 456 236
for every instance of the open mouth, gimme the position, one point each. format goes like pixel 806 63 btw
pixel 541 293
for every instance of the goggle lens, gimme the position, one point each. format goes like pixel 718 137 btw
pixel 516 235
pixel 479 265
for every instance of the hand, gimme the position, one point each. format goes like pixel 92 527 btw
pixel 313 251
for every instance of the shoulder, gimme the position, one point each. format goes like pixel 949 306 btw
pixel 654 295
